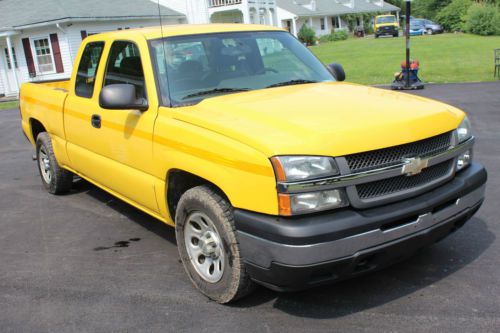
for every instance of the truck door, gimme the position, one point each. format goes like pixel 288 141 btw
pixel 114 147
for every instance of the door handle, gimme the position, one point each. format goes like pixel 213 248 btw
pixel 96 121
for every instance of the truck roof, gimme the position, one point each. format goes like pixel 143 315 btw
pixel 184 29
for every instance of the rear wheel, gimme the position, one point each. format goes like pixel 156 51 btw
pixel 209 250
pixel 55 179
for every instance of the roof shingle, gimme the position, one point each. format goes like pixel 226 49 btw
pixel 16 14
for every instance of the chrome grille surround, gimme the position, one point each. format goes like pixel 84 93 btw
pixel 403 185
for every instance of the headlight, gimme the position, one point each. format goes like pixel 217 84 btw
pixel 291 169
pixel 301 203
pixel 297 168
pixel 464 130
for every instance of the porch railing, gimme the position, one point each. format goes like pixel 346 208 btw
pixel 221 3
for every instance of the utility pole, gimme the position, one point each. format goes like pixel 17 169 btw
pixel 407 19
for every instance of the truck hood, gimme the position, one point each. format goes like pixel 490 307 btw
pixel 330 118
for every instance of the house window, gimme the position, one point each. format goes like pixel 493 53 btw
pixel 7 57
pixel 322 23
pixel 44 56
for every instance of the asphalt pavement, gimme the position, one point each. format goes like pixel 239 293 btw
pixel 87 262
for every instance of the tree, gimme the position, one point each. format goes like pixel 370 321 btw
pixel 483 19
pixel 452 17
pixel 428 8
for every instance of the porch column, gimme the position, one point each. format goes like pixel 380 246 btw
pixel 294 26
pixel 397 15
pixel 12 62
pixel 327 27
pixel 340 22
pixel 245 15
pixel 310 22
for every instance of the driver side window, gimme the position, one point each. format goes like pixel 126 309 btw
pixel 124 66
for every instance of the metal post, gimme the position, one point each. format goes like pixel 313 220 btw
pixel 408 10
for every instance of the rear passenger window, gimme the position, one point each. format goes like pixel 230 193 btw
pixel 87 69
pixel 124 66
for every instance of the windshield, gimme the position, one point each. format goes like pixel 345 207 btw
pixel 386 19
pixel 192 68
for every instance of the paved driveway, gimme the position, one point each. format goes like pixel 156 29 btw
pixel 88 262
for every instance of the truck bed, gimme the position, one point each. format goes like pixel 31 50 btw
pixel 43 101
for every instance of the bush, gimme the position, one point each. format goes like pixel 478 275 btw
pixel 334 36
pixel 483 19
pixel 452 17
pixel 307 35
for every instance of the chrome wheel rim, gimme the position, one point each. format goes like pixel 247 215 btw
pixel 204 247
pixel 44 162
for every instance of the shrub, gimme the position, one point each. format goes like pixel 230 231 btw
pixel 483 19
pixel 452 17
pixel 307 35
pixel 334 36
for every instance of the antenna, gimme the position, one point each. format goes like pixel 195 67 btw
pixel 164 56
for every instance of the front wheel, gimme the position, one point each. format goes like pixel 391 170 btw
pixel 430 32
pixel 55 179
pixel 208 247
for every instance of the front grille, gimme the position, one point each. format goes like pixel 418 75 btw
pixel 394 155
pixel 401 183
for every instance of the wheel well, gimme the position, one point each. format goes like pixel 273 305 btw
pixel 36 128
pixel 178 182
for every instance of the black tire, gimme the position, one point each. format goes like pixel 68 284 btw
pixel 430 32
pixel 396 34
pixel 235 282
pixel 376 36
pixel 60 180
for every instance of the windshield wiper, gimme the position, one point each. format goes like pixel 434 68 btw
pixel 290 83
pixel 214 91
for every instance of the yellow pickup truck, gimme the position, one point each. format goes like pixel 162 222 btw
pixel 271 169
pixel 385 25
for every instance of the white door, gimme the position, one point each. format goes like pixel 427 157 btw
pixel 10 85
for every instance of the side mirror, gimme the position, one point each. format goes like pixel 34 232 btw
pixel 121 97
pixel 337 71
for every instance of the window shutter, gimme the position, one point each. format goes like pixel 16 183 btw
pixel 57 53
pixel 29 57
pixel 83 33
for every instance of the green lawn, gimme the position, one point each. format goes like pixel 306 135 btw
pixel 9 105
pixel 443 58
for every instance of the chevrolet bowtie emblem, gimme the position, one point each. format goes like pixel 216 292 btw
pixel 413 166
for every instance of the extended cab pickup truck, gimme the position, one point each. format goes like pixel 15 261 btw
pixel 271 170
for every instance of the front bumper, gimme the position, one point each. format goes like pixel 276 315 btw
pixel 300 252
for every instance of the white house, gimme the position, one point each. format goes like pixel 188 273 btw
pixel 39 39
pixel 226 11
pixel 325 15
